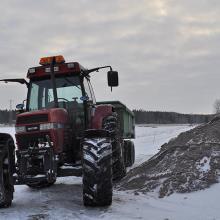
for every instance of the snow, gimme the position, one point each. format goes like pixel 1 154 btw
pixel 149 138
pixel 204 164
pixel 64 199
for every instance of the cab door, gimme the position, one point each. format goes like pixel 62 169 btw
pixel 89 102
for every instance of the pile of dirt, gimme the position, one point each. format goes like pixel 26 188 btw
pixel 187 163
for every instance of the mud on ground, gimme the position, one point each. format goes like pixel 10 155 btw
pixel 187 163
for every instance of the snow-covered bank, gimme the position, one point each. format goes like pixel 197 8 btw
pixel 64 199
pixel 149 138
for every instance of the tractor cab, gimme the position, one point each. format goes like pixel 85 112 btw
pixel 70 90
pixel 57 84
pixel 60 105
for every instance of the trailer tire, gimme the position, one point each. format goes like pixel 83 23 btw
pixel 97 172
pixel 6 170
pixel 129 153
pixel 119 169
pixel 111 124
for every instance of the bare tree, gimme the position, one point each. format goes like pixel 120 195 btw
pixel 217 106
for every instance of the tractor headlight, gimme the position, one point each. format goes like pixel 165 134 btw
pixel 48 126
pixel 19 129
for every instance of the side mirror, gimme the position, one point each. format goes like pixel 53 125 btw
pixel 20 107
pixel 112 78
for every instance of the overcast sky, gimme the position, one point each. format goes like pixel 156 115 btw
pixel 167 52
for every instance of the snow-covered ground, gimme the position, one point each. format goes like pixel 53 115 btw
pixel 149 138
pixel 64 199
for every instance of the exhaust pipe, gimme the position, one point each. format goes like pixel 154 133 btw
pixel 53 82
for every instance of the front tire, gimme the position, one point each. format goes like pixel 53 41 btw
pixel 97 172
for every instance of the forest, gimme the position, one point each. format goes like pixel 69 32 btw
pixel 158 117
pixel 7 117
pixel 141 117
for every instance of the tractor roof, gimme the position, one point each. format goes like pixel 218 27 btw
pixel 60 68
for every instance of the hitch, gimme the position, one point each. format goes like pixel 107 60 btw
pixel 36 164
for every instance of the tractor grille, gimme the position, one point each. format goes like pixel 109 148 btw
pixel 26 140
pixel 32 119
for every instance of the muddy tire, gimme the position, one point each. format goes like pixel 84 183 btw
pixel 97 172
pixel 6 170
pixel 111 125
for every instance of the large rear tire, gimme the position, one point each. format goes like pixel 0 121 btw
pixel 6 170
pixel 97 172
pixel 111 125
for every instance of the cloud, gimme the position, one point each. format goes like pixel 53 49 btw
pixel 166 51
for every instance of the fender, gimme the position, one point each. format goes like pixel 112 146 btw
pixel 101 111
pixel 4 136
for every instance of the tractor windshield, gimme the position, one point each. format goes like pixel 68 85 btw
pixel 41 93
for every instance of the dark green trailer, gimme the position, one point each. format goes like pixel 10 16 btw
pixel 126 119
pixel 127 132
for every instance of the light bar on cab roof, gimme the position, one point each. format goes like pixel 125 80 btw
pixel 59 68
pixel 48 60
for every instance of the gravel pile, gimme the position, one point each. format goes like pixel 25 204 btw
pixel 187 163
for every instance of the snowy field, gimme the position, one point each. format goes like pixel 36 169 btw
pixel 64 199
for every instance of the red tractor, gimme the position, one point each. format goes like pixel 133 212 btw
pixel 63 131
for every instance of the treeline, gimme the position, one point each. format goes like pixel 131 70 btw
pixel 7 116
pixel 141 117
pixel 157 117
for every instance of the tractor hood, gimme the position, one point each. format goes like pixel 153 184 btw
pixel 53 115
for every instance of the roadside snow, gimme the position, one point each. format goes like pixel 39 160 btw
pixel 64 199
pixel 149 138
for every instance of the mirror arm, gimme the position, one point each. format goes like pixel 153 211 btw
pixel 87 72
pixel 21 81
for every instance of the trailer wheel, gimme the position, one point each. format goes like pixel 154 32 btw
pixel 132 153
pixel 97 172
pixel 129 153
pixel 6 170
pixel 111 125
